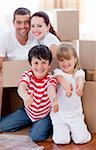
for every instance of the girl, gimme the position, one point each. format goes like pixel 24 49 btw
pixel 43 32
pixel 68 122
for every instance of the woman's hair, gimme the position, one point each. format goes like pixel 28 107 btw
pixel 40 52
pixel 46 20
pixel 65 51
pixel 21 11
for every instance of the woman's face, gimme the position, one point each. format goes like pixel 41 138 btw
pixel 38 27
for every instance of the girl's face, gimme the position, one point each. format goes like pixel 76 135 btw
pixel 67 65
pixel 40 67
pixel 38 27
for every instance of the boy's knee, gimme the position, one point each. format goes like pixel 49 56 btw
pixel 38 137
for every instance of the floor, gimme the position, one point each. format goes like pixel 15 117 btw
pixel 49 145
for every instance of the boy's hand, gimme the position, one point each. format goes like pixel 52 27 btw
pixel 28 100
pixel 79 86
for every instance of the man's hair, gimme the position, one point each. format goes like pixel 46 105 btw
pixel 21 11
pixel 40 52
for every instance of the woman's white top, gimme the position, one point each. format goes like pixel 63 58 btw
pixel 48 40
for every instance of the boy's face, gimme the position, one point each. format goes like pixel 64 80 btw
pixel 40 67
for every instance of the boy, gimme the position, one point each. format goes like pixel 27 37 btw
pixel 37 88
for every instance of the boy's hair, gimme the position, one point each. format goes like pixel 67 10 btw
pixel 21 11
pixel 65 51
pixel 46 20
pixel 40 52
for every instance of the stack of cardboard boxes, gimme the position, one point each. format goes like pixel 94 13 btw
pixel 87 49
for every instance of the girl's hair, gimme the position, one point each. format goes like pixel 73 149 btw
pixel 65 51
pixel 46 20
pixel 40 52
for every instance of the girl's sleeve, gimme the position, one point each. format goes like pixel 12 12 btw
pixel 57 72
pixel 80 73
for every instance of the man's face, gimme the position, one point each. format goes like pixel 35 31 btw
pixel 22 25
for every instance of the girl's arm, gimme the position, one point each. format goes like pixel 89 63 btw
pixel 80 85
pixel 53 98
pixel 22 91
pixel 65 85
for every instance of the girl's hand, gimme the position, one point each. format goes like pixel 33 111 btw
pixel 79 86
pixel 55 106
pixel 69 90
pixel 28 100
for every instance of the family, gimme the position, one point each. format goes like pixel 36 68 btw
pixel 52 102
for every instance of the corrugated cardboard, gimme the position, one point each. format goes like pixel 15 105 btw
pixel 89 104
pixel 66 23
pixel 87 52
pixel 12 71
pixel 90 75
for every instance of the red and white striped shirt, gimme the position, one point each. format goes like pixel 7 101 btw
pixel 38 89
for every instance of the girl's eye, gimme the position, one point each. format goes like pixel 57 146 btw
pixel 39 26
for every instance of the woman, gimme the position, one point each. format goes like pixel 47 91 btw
pixel 43 32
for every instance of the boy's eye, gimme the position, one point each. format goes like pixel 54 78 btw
pixel 36 63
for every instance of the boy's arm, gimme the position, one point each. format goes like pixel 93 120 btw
pixel 53 98
pixel 22 91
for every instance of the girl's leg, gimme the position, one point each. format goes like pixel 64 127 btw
pixel 80 133
pixel 41 129
pixel 14 121
pixel 61 132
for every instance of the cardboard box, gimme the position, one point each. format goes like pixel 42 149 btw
pixel 87 53
pixel 89 105
pixel 12 71
pixel 66 23
pixel 90 75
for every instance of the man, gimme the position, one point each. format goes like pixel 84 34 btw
pixel 14 44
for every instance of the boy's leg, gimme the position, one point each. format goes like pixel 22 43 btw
pixel 41 129
pixel 1 91
pixel 80 133
pixel 14 121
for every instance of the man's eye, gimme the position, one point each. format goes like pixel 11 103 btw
pixel 32 26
